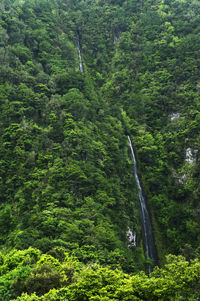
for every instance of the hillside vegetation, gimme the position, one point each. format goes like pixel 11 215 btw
pixel 67 189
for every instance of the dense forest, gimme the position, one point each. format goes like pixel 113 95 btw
pixel 67 188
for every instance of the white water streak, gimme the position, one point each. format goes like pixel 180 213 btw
pixel 79 53
pixel 144 211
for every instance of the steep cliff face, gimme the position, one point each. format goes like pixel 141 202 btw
pixel 155 77
pixel 75 78
pixel 66 175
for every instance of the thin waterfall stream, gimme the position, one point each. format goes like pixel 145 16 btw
pixel 79 52
pixel 148 237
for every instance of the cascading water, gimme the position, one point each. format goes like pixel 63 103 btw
pixel 149 244
pixel 79 52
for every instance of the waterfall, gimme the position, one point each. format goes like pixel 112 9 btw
pixel 79 52
pixel 149 244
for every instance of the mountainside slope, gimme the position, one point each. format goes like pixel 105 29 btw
pixel 66 174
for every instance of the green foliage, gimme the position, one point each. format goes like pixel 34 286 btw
pixel 65 173
pixel 66 180
pixel 177 280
